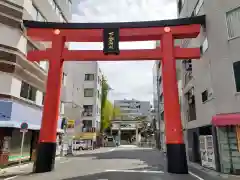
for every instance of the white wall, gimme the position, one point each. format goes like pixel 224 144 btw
pixel 5 79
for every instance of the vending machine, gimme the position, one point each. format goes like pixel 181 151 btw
pixel 207 151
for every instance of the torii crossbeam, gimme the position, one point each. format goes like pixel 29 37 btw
pixel 166 31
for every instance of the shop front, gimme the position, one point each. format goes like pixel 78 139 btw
pixel 10 135
pixel 228 134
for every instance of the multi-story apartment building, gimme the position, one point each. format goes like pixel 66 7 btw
pixel 22 82
pixel 211 86
pixel 130 109
pixel 85 93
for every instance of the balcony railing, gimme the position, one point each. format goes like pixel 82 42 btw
pixel 87 113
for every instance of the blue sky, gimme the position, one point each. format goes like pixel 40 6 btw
pixel 128 79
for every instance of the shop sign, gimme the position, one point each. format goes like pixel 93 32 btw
pixel 86 135
pixel 70 124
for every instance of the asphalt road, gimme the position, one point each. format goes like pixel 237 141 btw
pixel 123 163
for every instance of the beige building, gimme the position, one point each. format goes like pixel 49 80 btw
pixel 22 82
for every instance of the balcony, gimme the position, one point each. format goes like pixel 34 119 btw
pixel 87 113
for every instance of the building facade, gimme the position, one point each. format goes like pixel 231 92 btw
pixel 211 85
pixel 23 82
pixel 130 109
pixel 83 95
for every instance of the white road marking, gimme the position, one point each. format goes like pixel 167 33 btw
pixel 113 149
pixel 138 171
pixel 196 176
pixel 64 161
pixel 13 177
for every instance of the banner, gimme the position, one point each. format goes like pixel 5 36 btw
pixel 70 124
pixel 86 135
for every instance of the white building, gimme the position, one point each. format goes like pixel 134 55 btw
pixel 23 82
pixel 83 94
pixel 130 109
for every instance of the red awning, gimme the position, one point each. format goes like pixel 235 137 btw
pixel 226 119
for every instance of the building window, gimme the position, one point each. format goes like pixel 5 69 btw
pixel 162 116
pixel 43 98
pixel 28 91
pixel 236 69
pixel 88 92
pixel 87 125
pixel 188 65
pixel 204 96
pixel 89 77
pixel 64 79
pixel 87 110
pixel 204 46
pixel 98 94
pixel 233 23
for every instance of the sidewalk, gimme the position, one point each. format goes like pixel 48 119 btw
pixel 20 168
pixel 204 172
pixel 212 173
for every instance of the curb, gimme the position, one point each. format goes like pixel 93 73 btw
pixel 5 170
pixel 212 173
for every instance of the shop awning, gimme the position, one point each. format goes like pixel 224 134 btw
pixel 226 119
pixel 14 124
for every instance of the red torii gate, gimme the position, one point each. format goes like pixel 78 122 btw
pixel 166 31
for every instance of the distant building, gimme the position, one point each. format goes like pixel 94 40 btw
pixel 130 109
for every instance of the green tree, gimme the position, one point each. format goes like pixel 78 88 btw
pixel 108 112
pixel 105 90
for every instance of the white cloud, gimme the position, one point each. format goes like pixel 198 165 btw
pixel 128 79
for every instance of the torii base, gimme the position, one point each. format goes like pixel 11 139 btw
pixel 45 160
pixel 177 160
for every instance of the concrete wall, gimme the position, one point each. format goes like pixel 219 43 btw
pixel 214 71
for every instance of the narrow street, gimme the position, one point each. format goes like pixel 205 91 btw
pixel 122 163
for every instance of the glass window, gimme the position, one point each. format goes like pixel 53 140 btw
pixel 43 98
pixel 88 92
pixel 64 79
pixel 233 23
pixel 28 91
pixel 89 77
pixel 236 69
